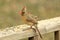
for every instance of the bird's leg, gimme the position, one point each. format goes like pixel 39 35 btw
pixel 29 28
pixel 34 30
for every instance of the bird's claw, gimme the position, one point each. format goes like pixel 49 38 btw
pixel 29 28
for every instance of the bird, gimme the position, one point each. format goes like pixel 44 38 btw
pixel 29 19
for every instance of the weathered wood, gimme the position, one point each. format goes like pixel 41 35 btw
pixel 57 35
pixel 44 26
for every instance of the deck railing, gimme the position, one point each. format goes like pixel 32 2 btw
pixel 44 26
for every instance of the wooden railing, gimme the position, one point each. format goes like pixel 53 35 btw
pixel 44 26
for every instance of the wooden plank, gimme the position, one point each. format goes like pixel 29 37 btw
pixel 49 25
pixel 44 26
pixel 57 35
pixel 18 35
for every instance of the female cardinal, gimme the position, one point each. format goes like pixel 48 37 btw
pixel 28 18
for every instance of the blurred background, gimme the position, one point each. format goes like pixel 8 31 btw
pixel 44 9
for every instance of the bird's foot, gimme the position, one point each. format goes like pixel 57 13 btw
pixel 29 29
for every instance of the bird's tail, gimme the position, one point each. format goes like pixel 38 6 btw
pixel 38 31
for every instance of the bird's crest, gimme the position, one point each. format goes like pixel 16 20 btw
pixel 22 11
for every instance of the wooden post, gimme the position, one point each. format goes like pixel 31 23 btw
pixel 57 35
pixel 31 38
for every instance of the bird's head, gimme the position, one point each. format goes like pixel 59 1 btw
pixel 22 12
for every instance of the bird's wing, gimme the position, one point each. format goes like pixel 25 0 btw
pixel 31 18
